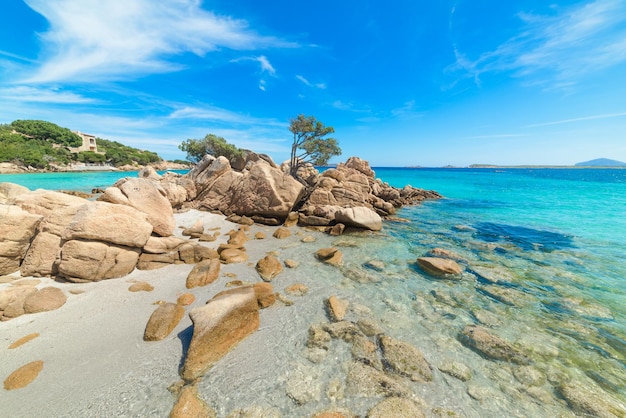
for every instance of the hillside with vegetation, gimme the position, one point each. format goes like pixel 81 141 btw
pixel 45 145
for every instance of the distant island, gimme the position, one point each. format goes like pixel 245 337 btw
pixel 601 162
pixel 597 163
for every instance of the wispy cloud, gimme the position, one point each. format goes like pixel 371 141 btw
pixel 219 115
pixel 91 40
pixel 266 68
pixel 584 118
pixel 407 111
pixel 306 82
pixel 496 136
pixel 558 48
pixel 40 95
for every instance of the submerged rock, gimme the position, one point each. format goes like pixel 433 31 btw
pixel 366 381
pixel 441 267
pixel 405 359
pixel 396 407
pixel 490 345
pixel 337 308
pixel 584 400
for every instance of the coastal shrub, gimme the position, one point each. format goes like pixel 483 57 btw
pixel 47 131
pixel 211 144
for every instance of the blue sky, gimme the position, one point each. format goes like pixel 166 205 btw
pixel 403 82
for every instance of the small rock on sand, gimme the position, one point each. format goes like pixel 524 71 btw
pixel 23 376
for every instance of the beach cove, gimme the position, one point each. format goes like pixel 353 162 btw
pixel 533 274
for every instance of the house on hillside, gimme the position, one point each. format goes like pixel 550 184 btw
pixel 89 143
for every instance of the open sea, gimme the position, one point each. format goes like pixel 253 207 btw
pixel 544 256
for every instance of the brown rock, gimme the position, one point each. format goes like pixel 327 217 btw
pixel 95 261
pixel 269 267
pixel 292 264
pixel 490 345
pixel 292 219
pixel 297 289
pixel 106 222
pixel 203 273
pixel 337 308
pixel 186 299
pixel 189 405
pixel 233 255
pixel 23 376
pixel 405 359
pixel 264 294
pixel 46 299
pixel 146 196
pixel 337 229
pixel 366 381
pixel 360 217
pixel 141 287
pixel 260 235
pixel 17 228
pixel 441 267
pixel 162 245
pixel 395 407
pixel 42 255
pixel 238 239
pixel 12 300
pixel 163 321
pixel 195 231
pixel 281 233
pixel 24 340
pixel 330 256
pixel 217 327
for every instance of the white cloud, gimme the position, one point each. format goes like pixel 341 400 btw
pixel 580 119
pixel 32 94
pixel 559 49
pixel 321 86
pixel 91 40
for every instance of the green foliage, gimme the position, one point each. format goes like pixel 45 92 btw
pixel 118 154
pixel 39 144
pixel 309 138
pixel 30 152
pixel 47 131
pixel 211 144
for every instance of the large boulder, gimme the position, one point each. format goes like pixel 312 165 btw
pixel 42 255
pixel 57 208
pixel 217 327
pixel 146 196
pixel 163 321
pixel 360 217
pixel 17 228
pixel 8 192
pixel 204 273
pixel 490 345
pixel 83 261
pixel 110 223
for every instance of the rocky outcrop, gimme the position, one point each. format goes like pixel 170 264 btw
pixel 146 196
pixel 17 227
pixel 83 261
pixel 254 187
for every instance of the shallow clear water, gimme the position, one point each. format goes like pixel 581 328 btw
pixel 542 252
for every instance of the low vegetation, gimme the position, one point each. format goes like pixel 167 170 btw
pixel 40 144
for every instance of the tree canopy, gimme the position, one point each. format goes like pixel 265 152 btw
pixel 47 131
pixel 211 144
pixel 310 144
pixel 39 143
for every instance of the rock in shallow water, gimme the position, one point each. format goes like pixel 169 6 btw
pixel 395 407
pixel 405 359
pixel 217 327
pixel 440 267
pixel 490 345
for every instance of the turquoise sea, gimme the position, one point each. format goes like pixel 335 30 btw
pixel 543 252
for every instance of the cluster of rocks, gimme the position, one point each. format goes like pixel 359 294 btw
pixel 256 188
